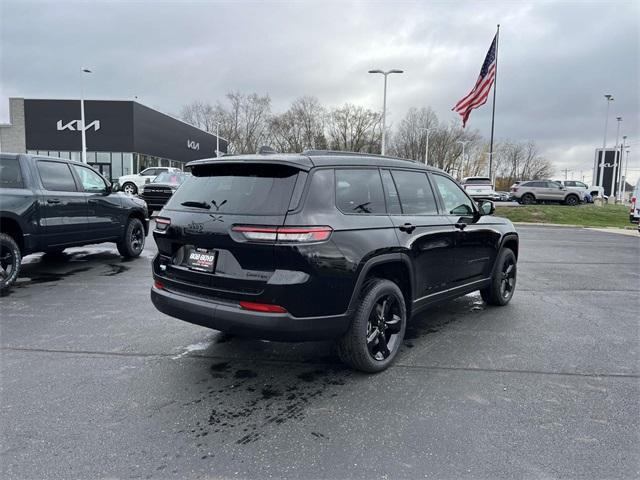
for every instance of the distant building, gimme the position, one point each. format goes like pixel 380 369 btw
pixel 611 163
pixel 123 137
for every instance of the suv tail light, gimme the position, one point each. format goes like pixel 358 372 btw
pixel 162 223
pixel 283 234
pixel 514 189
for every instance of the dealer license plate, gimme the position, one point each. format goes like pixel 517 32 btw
pixel 202 260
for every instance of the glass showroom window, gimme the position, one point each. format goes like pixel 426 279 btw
pixel 116 164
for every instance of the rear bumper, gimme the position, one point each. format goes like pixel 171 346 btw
pixel 230 318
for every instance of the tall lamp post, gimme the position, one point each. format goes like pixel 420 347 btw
pixel 217 139
pixel 624 178
pixel 616 167
pixel 463 143
pixel 620 162
pixel 426 148
pixel 83 130
pixel 604 142
pixel 384 105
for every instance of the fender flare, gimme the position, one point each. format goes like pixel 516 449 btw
pixel 373 262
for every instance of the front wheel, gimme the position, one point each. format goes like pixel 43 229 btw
pixel 10 261
pixel 133 242
pixel 503 280
pixel 377 329
pixel 130 188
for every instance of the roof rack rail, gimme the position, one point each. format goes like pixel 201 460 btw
pixel 312 153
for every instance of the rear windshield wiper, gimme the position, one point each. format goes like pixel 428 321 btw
pixel 191 203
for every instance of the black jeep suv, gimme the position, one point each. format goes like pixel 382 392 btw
pixel 325 245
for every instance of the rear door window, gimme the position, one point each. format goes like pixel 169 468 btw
pixel 359 191
pixel 56 176
pixel 414 190
pixel 10 173
pixel 243 189
pixel 391 193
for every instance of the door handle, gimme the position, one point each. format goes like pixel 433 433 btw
pixel 53 200
pixel 460 225
pixel 407 227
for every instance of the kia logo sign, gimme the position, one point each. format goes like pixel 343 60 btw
pixel 76 125
pixel 193 145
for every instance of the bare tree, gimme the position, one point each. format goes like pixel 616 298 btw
pixel 355 129
pixel 299 128
pixel 410 139
pixel 520 161
pixel 200 114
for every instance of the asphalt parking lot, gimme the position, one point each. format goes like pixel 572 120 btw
pixel 96 383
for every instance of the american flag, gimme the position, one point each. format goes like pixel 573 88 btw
pixel 478 95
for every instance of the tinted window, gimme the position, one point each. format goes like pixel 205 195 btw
pixel 90 180
pixel 553 185
pixel 580 184
pixel 56 176
pixel 149 172
pixel 535 184
pixel 455 200
pixel 416 196
pixel 10 174
pixel 359 191
pixel 390 193
pixel 238 189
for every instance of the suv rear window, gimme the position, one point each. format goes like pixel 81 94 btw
pixel 359 191
pixel 242 189
pixel 10 173
pixel 477 181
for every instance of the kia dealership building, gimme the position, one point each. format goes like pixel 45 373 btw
pixel 123 137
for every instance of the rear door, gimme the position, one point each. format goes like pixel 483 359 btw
pixel 63 205
pixel 421 229
pixel 221 234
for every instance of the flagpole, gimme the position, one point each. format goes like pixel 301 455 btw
pixel 493 113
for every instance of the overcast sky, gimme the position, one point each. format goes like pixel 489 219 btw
pixel 556 59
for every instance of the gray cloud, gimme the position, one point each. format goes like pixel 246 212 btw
pixel 556 59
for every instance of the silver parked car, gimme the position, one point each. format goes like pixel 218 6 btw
pixel 534 191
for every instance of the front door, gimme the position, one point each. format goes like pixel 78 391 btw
pixel 476 241
pixel 63 206
pixel 103 210
pixel 426 235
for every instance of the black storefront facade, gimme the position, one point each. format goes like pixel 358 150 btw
pixel 123 137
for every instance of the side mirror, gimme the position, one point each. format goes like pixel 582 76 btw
pixel 113 188
pixel 487 207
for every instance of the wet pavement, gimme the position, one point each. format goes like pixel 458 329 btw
pixel 96 383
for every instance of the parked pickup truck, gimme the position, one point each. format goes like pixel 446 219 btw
pixel 49 204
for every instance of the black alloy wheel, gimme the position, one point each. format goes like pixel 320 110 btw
pixel 377 328
pixel 571 200
pixel 503 281
pixel 383 328
pixel 10 259
pixel 132 243
pixel 528 199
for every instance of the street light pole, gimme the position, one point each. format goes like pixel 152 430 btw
pixel 614 173
pixel 621 161
pixel 217 139
pixel 384 105
pixel 82 122
pixel 624 178
pixel 426 148
pixel 463 143
pixel 604 142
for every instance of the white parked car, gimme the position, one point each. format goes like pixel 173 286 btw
pixel 479 188
pixel 131 184
pixel 577 186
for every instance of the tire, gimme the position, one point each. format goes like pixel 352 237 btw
pixel 361 348
pixel 503 279
pixel 130 188
pixel 133 242
pixel 572 200
pixel 528 199
pixel 10 261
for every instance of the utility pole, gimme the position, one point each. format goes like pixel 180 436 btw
pixel 463 143
pixel 614 173
pixel 83 129
pixel 566 173
pixel 600 182
pixel 620 162
pixel 426 149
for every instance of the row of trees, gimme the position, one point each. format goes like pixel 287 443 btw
pixel 247 122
